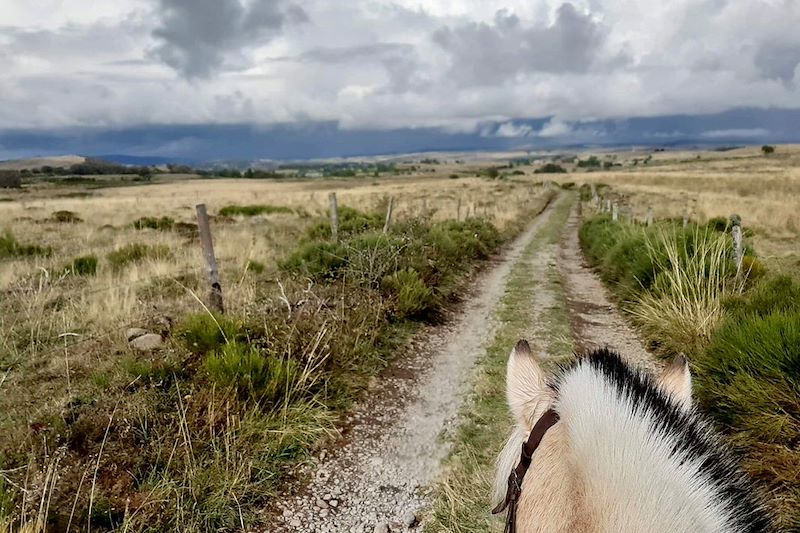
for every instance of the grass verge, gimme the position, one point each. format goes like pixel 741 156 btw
pixel 461 500
pixel 743 336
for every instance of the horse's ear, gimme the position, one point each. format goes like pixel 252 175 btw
pixel 526 385
pixel 676 380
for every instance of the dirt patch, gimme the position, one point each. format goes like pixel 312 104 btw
pixel 595 321
pixel 393 448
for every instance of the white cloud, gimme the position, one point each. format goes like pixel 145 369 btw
pixel 392 63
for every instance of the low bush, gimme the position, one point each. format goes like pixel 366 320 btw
pixel 318 260
pixel 410 294
pixel 351 221
pixel 135 252
pixel 65 217
pixel 254 210
pixel 157 223
pixel 550 168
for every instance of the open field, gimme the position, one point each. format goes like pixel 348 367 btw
pixel 201 431
pixel 763 190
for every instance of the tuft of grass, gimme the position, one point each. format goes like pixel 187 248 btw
pixel 10 247
pixel 203 333
pixel 135 252
pixel 85 265
pixel 683 305
pixel 253 374
pixel 254 210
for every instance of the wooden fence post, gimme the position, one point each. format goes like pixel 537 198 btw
pixel 685 219
pixel 334 217
pixel 389 209
pixel 736 234
pixel 215 298
pixel 594 192
pixel 608 206
pixel 649 216
pixel 458 210
pixel 615 212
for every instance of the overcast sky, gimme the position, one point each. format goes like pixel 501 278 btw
pixel 386 64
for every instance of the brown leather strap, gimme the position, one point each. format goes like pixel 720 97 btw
pixel 547 420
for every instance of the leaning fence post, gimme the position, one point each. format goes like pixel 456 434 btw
pixel 608 206
pixel 458 209
pixel 215 298
pixel 614 212
pixel 388 221
pixel 736 234
pixel 334 217
pixel 650 216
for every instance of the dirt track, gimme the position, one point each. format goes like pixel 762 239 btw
pixel 392 450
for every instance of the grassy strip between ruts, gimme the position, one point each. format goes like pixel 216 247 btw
pixel 461 501
pixel 743 337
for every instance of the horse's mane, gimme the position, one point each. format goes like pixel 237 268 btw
pixel 616 414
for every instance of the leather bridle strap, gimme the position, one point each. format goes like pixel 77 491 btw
pixel 548 420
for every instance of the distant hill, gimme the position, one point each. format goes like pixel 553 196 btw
pixel 141 161
pixel 58 161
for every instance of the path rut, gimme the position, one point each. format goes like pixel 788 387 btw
pixel 380 470
pixel 595 321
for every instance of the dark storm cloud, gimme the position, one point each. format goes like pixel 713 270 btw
pixel 778 60
pixel 488 54
pixel 196 36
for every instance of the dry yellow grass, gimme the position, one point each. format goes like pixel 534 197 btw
pixel 763 190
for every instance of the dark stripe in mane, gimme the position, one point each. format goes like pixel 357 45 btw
pixel 693 437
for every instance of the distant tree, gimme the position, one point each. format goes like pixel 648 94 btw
pixel 550 168
pixel 10 179
pixel 767 149
pixel 145 173
pixel 492 172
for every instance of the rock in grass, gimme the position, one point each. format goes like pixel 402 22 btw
pixel 381 528
pixel 135 333
pixel 147 342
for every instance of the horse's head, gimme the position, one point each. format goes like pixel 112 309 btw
pixel 629 452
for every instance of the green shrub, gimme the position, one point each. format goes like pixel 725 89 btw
pixel 316 260
pixel 10 247
pixel 550 168
pixel 256 267
pixel 134 252
pixel 203 333
pixel 351 222
pixel 411 296
pixel 371 256
pixel 65 217
pixel 84 266
pixel 253 210
pixel 252 373
pixel 156 223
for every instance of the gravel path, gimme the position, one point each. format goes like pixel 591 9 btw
pixel 595 321
pixel 375 478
